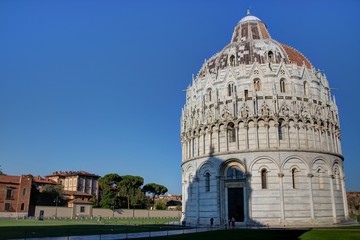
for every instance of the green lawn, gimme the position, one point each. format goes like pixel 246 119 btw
pixel 10 229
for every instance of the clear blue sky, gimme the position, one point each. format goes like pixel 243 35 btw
pixel 98 85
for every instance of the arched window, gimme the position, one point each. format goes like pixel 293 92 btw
pixel 306 89
pixel 282 85
pixel 207 182
pixel 280 133
pixel 294 178
pixel 337 179
pixel 234 173
pixel 320 175
pixel 270 56
pixel 232 60
pixel 230 89
pixel 190 188
pixel 257 85
pixel 264 178
pixel 208 95
pixel 231 132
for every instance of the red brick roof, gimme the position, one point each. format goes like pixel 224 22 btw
pixel 11 179
pixel 41 180
pixel 296 57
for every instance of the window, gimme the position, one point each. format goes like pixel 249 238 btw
pixel 24 191
pixel 264 178
pixel 230 89
pixel 246 94
pixel 257 85
pixel 208 95
pixel 280 133
pixel 234 173
pixel 270 56
pixel 337 179
pixel 87 182
pixel 70 182
pixel 9 193
pixel 306 90
pixel 320 175
pixel 22 208
pixel 190 189
pixel 232 60
pixel 231 131
pixel 294 178
pixel 207 182
pixel 7 207
pixel 282 85
pixel 82 209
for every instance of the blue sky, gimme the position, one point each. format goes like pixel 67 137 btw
pixel 98 85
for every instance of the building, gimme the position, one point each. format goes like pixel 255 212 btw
pixel 353 202
pixel 77 181
pixel 260 137
pixel 14 196
pixel 40 182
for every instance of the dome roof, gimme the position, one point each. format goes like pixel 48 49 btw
pixel 250 43
pixel 249 18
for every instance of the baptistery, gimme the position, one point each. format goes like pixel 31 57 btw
pixel 260 137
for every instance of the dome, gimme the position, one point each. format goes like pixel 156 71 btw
pixel 250 43
pixel 249 17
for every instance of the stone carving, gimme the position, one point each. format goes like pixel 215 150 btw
pixel 226 115
pixel 209 116
pixel 265 110
pixel 244 111
pixel 285 110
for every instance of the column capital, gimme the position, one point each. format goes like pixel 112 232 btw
pixel 280 175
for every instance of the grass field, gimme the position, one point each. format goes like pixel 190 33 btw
pixel 10 229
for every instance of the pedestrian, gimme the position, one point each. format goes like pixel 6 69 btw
pixel 233 222
pixel 211 222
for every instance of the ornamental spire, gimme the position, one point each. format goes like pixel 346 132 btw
pixel 248 12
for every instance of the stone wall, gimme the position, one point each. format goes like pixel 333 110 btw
pixel 65 212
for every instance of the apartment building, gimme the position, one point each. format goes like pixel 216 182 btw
pixel 14 196
pixel 77 181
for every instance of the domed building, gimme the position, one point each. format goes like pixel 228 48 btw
pixel 260 137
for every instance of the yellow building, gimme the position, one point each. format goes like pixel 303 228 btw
pixel 77 181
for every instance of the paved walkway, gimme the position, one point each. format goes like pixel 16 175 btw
pixel 129 235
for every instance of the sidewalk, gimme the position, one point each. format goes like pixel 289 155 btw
pixel 128 235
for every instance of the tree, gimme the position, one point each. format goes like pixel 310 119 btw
pixel 51 195
pixel 128 187
pixel 160 204
pixel 109 185
pixel 155 190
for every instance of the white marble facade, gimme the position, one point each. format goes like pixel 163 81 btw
pixel 260 137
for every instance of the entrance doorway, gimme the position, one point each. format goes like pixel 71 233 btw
pixel 236 204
